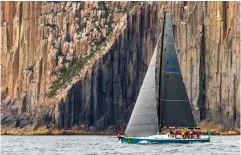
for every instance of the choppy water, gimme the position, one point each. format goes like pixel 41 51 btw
pixel 104 145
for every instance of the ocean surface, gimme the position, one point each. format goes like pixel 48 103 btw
pixel 104 145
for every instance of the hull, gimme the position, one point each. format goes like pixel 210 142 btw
pixel 161 140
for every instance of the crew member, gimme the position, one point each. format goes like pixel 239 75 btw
pixel 183 134
pixel 209 132
pixel 198 134
pixel 186 134
pixel 190 134
pixel 118 136
pixel 171 133
pixel 176 134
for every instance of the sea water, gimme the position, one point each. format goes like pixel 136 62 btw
pixel 104 145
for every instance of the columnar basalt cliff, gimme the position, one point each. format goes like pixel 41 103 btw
pixel 80 65
pixel 75 64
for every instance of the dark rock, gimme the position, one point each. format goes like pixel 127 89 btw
pixel 76 127
pixel 111 128
pixel 82 126
pixel 23 120
pixel 22 104
pixel 7 101
pixel 23 123
pixel 25 116
pixel 13 109
pixel 101 123
pixel 91 128
pixel 54 126
pixel 36 124
pixel 11 121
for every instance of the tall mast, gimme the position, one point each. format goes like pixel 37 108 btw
pixel 160 70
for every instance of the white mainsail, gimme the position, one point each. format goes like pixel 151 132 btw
pixel 144 119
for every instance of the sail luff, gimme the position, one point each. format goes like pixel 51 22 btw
pixel 144 120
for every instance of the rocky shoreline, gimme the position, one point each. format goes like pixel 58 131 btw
pixel 57 132
pixel 87 132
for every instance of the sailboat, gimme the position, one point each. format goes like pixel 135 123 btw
pixel 173 110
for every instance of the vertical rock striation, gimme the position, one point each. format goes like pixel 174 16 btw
pixel 58 40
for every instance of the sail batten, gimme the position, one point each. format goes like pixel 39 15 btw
pixel 144 119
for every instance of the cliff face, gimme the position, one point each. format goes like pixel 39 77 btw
pixel 74 64
pixel 81 64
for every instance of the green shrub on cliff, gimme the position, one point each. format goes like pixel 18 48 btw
pixel 67 74
pixel 62 70
pixel 53 26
